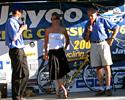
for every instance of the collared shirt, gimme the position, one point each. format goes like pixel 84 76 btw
pixel 100 29
pixel 12 29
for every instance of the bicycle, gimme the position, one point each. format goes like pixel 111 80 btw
pixel 43 75
pixel 88 74
pixel 85 69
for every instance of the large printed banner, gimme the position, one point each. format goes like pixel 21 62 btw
pixel 73 17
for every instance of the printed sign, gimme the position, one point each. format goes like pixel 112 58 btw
pixel 74 17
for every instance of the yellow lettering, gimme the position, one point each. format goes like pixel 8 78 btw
pixel 88 45
pixel 3 35
pixel 30 54
pixel 75 54
pixel 122 29
pixel 76 43
pixel 80 31
pixel 81 44
pixel 41 33
pixel 73 31
pixel 27 34
pixel 69 55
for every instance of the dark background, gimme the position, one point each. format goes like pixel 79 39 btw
pixel 102 2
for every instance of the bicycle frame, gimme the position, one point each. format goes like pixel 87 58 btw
pixel 85 60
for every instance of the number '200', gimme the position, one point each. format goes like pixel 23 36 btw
pixel 81 44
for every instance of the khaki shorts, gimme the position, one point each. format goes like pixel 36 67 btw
pixel 100 54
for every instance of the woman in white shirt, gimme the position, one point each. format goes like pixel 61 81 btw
pixel 56 41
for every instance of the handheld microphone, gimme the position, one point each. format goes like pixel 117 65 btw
pixel 23 20
pixel 90 25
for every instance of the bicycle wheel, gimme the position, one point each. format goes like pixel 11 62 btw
pixel 90 77
pixel 45 85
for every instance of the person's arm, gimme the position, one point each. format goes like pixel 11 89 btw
pixel 15 33
pixel 114 33
pixel 22 28
pixel 67 38
pixel 46 44
pixel 115 29
pixel 87 31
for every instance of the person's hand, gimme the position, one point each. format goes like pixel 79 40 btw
pixel 90 28
pixel 87 38
pixel 23 27
pixel 110 41
pixel 45 57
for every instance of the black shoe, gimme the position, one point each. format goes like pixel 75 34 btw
pixel 100 93
pixel 108 92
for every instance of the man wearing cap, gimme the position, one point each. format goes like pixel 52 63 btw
pixel 14 41
pixel 96 31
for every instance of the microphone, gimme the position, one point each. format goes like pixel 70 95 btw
pixel 90 25
pixel 23 23
pixel 23 20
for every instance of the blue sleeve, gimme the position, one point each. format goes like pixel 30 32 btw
pixel 110 25
pixel 12 29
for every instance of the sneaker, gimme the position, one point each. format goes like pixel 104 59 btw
pixel 100 93
pixel 108 92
